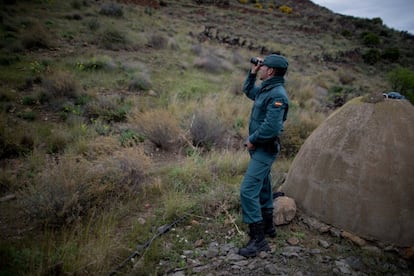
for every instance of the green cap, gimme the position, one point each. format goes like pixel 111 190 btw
pixel 276 61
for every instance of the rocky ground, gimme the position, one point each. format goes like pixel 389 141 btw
pixel 304 247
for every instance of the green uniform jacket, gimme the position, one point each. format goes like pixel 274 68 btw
pixel 270 108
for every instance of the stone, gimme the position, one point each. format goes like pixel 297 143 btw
pixel 355 174
pixel 324 243
pixel 293 241
pixel 284 210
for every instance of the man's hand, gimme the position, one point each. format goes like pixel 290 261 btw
pixel 250 146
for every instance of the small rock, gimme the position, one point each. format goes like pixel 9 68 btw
pixel 372 249
pixel 354 238
pixel 234 257
pixel 324 243
pixel 199 243
pixel 270 269
pixel 284 210
pixel 263 254
pixel 335 232
pixel 293 241
pixel 355 263
pixel 343 267
pixel 315 251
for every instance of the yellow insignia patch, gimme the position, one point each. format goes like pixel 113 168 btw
pixel 278 103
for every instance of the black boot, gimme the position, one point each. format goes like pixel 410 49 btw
pixel 269 227
pixel 257 241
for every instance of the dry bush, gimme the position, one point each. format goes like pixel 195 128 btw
pixel 141 82
pixel 67 190
pixel 36 36
pixel 60 84
pixel 212 63
pixel 111 108
pixel 157 41
pixel 15 140
pixel 111 9
pixel 207 130
pixel 297 129
pixel 159 126
pixel 113 39
pixel 100 146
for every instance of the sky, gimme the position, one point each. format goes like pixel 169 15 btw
pixel 396 14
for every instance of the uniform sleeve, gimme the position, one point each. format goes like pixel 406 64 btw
pixel 249 87
pixel 273 122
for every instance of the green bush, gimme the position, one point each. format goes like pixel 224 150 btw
pixel 402 80
pixel 372 56
pixel 392 54
pixel 370 39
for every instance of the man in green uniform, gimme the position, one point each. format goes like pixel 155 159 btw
pixel 268 114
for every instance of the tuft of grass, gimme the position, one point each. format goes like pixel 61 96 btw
pixel 36 36
pixel 141 82
pixel 111 108
pixel 207 130
pixel 113 39
pixel 111 9
pixel 158 126
pixel 60 84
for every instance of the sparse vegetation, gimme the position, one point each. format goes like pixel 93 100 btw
pixel 117 118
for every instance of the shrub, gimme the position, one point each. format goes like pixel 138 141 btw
pixel 157 41
pixel 60 85
pixel 28 100
pixel 93 24
pixel 372 56
pixel 140 83
pixel 370 39
pixel 285 9
pixel 14 140
pixel 111 108
pixel 28 115
pixel 36 36
pixel 402 80
pixel 159 126
pixel 206 130
pixel 67 190
pixel 130 138
pixel 112 39
pixel 392 54
pixel 111 9
pixel 295 134
pixel 96 63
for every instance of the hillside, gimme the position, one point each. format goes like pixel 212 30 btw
pixel 120 117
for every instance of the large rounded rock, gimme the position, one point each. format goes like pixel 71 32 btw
pixel 356 171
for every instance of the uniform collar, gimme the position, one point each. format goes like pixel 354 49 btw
pixel 272 82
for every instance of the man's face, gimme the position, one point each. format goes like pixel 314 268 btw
pixel 264 72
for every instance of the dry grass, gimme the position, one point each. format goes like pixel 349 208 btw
pixel 159 126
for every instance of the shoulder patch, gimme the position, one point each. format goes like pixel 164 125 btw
pixel 278 103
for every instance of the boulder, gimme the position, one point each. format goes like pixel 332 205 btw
pixel 355 171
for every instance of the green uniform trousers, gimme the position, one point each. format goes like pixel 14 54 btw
pixel 256 188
